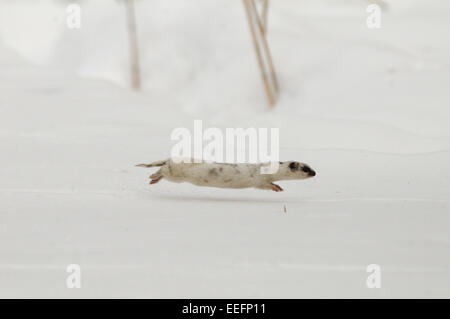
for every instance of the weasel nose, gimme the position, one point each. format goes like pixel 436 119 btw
pixel 312 173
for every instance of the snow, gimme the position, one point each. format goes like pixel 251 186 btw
pixel 367 109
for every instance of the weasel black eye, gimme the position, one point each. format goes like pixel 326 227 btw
pixel 294 166
pixel 306 169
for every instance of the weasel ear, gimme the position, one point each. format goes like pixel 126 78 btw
pixel 294 166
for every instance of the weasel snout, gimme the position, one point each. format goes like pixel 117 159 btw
pixel 308 170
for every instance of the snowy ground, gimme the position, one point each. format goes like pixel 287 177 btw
pixel 368 109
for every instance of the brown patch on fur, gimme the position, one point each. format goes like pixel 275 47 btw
pixel 213 172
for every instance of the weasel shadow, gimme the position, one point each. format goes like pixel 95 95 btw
pixel 205 198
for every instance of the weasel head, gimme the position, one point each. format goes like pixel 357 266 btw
pixel 296 170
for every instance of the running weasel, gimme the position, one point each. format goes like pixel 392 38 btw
pixel 227 175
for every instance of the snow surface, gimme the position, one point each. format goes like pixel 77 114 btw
pixel 367 109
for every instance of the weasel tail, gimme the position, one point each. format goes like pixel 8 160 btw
pixel 154 164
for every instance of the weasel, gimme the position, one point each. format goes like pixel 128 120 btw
pixel 226 175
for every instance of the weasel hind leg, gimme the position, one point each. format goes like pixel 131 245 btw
pixel 155 178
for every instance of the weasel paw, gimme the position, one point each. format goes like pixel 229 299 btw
pixel 276 188
pixel 156 180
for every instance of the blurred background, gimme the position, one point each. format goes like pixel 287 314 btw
pixel 367 108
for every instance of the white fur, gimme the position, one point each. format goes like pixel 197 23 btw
pixel 226 175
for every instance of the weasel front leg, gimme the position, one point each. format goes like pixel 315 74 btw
pixel 272 186
pixel 275 187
